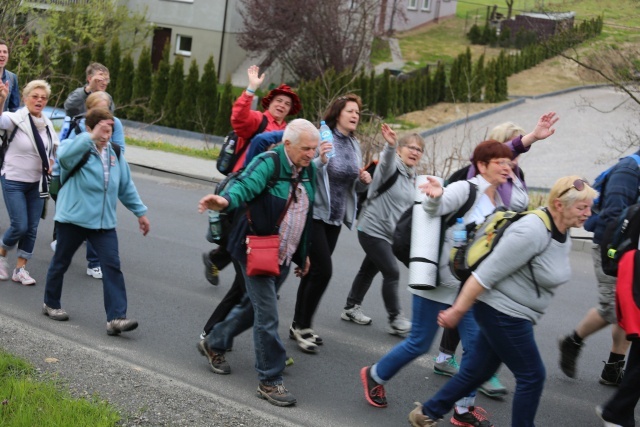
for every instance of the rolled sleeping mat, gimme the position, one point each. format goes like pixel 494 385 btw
pixel 425 242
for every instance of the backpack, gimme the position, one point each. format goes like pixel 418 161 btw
pixel 619 237
pixel 401 245
pixel 6 140
pixel 601 181
pixel 483 238
pixel 229 155
pixel 363 196
pixel 71 125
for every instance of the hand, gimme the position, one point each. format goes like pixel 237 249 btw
pixel 101 133
pixel 213 202
pixel 388 134
pixel 544 128
pixel 144 224
pixel 255 80
pixel 450 317
pixel 432 187
pixel 4 90
pixel 365 177
pixel 325 148
pixel 301 272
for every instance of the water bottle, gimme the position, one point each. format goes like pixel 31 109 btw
pixel 215 227
pixel 459 233
pixel 225 157
pixel 327 136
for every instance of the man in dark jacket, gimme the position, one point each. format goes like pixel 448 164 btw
pixel 266 206
pixel 620 190
pixel 12 103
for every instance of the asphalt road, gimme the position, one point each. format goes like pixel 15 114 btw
pixel 169 296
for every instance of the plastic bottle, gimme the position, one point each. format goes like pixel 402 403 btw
pixel 228 154
pixel 215 227
pixel 459 233
pixel 327 136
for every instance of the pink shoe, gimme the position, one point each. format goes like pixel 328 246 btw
pixel 21 275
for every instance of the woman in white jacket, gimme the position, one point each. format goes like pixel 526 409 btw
pixel 25 173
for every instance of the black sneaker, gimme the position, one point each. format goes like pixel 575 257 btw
pixel 569 352
pixel 612 373
pixel 373 392
pixel 476 417
pixel 276 394
pixel 217 361
pixel 211 272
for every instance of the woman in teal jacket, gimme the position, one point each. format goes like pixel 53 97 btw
pixel 86 209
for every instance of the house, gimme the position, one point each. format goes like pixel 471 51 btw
pixel 402 15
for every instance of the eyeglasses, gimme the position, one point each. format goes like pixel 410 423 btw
pixel 41 98
pixel 106 81
pixel 578 184
pixel 414 148
pixel 503 163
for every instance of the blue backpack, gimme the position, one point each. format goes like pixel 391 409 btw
pixel 601 181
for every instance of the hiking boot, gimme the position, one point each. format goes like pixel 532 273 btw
pixel 303 337
pixel 448 367
pixel 373 392
pixel 54 313
pixel 569 352
pixel 418 419
pixel 612 373
pixel 211 271
pixel 355 315
pixel 493 387
pixel 22 276
pixel 122 324
pixel 96 272
pixel 476 417
pixel 276 394
pixel 217 361
pixel 4 268
pixel 309 335
pixel 606 423
pixel 399 326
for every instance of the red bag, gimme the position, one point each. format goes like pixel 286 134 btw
pixel 262 255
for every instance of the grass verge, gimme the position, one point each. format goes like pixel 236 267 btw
pixel 207 154
pixel 27 400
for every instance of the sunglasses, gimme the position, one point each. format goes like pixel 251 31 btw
pixel 578 184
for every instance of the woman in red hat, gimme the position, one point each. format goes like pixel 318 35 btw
pixel 278 104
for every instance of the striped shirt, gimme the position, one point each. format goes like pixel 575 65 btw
pixel 294 221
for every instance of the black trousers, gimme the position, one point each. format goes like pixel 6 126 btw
pixel 621 407
pixel 233 297
pixel 313 285
pixel 449 341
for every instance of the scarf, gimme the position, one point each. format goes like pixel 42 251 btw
pixel 44 182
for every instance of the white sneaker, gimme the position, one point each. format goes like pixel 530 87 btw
pixel 53 245
pixel 4 268
pixel 21 275
pixel 399 326
pixel 355 315
pixel 96 273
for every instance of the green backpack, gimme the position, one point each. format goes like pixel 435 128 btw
pixel 483 238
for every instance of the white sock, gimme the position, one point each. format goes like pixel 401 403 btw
pixel 462 409
pixel 443 357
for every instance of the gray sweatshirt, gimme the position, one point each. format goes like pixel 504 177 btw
pixel 506 275
pixel 380 215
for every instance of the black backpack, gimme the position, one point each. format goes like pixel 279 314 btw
pixel 620 236
pixel 363 196
pixel 6 140
pixel 229 154
pixel 401 245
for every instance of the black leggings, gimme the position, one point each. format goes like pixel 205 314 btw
pixel 313 285
pixel 450 340
pixel 233 297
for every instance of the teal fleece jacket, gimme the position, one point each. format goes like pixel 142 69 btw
pixel 83 200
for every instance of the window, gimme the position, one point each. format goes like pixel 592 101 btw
pixel 183 45
pixel 412 4
pixel 426 5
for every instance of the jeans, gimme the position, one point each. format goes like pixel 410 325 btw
pixel 379 258
pixel 24 206
pixel 312 286
pixel 424 326
pixel 620 408
pixel 92 256
pixel 258 308
pixel 502 338
pixel 105 242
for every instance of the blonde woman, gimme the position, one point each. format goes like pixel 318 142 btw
pixel 25 172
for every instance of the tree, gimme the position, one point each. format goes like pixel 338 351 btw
pixel 509 8
pixel 185 114
pixel 309 37
pixel 382 95
pixel 174 93
pixel 100 52
pixel 207 100
pixel 113 63
pixel 223 118
pixel 124 89
pixel 142 84
pixel 159 86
